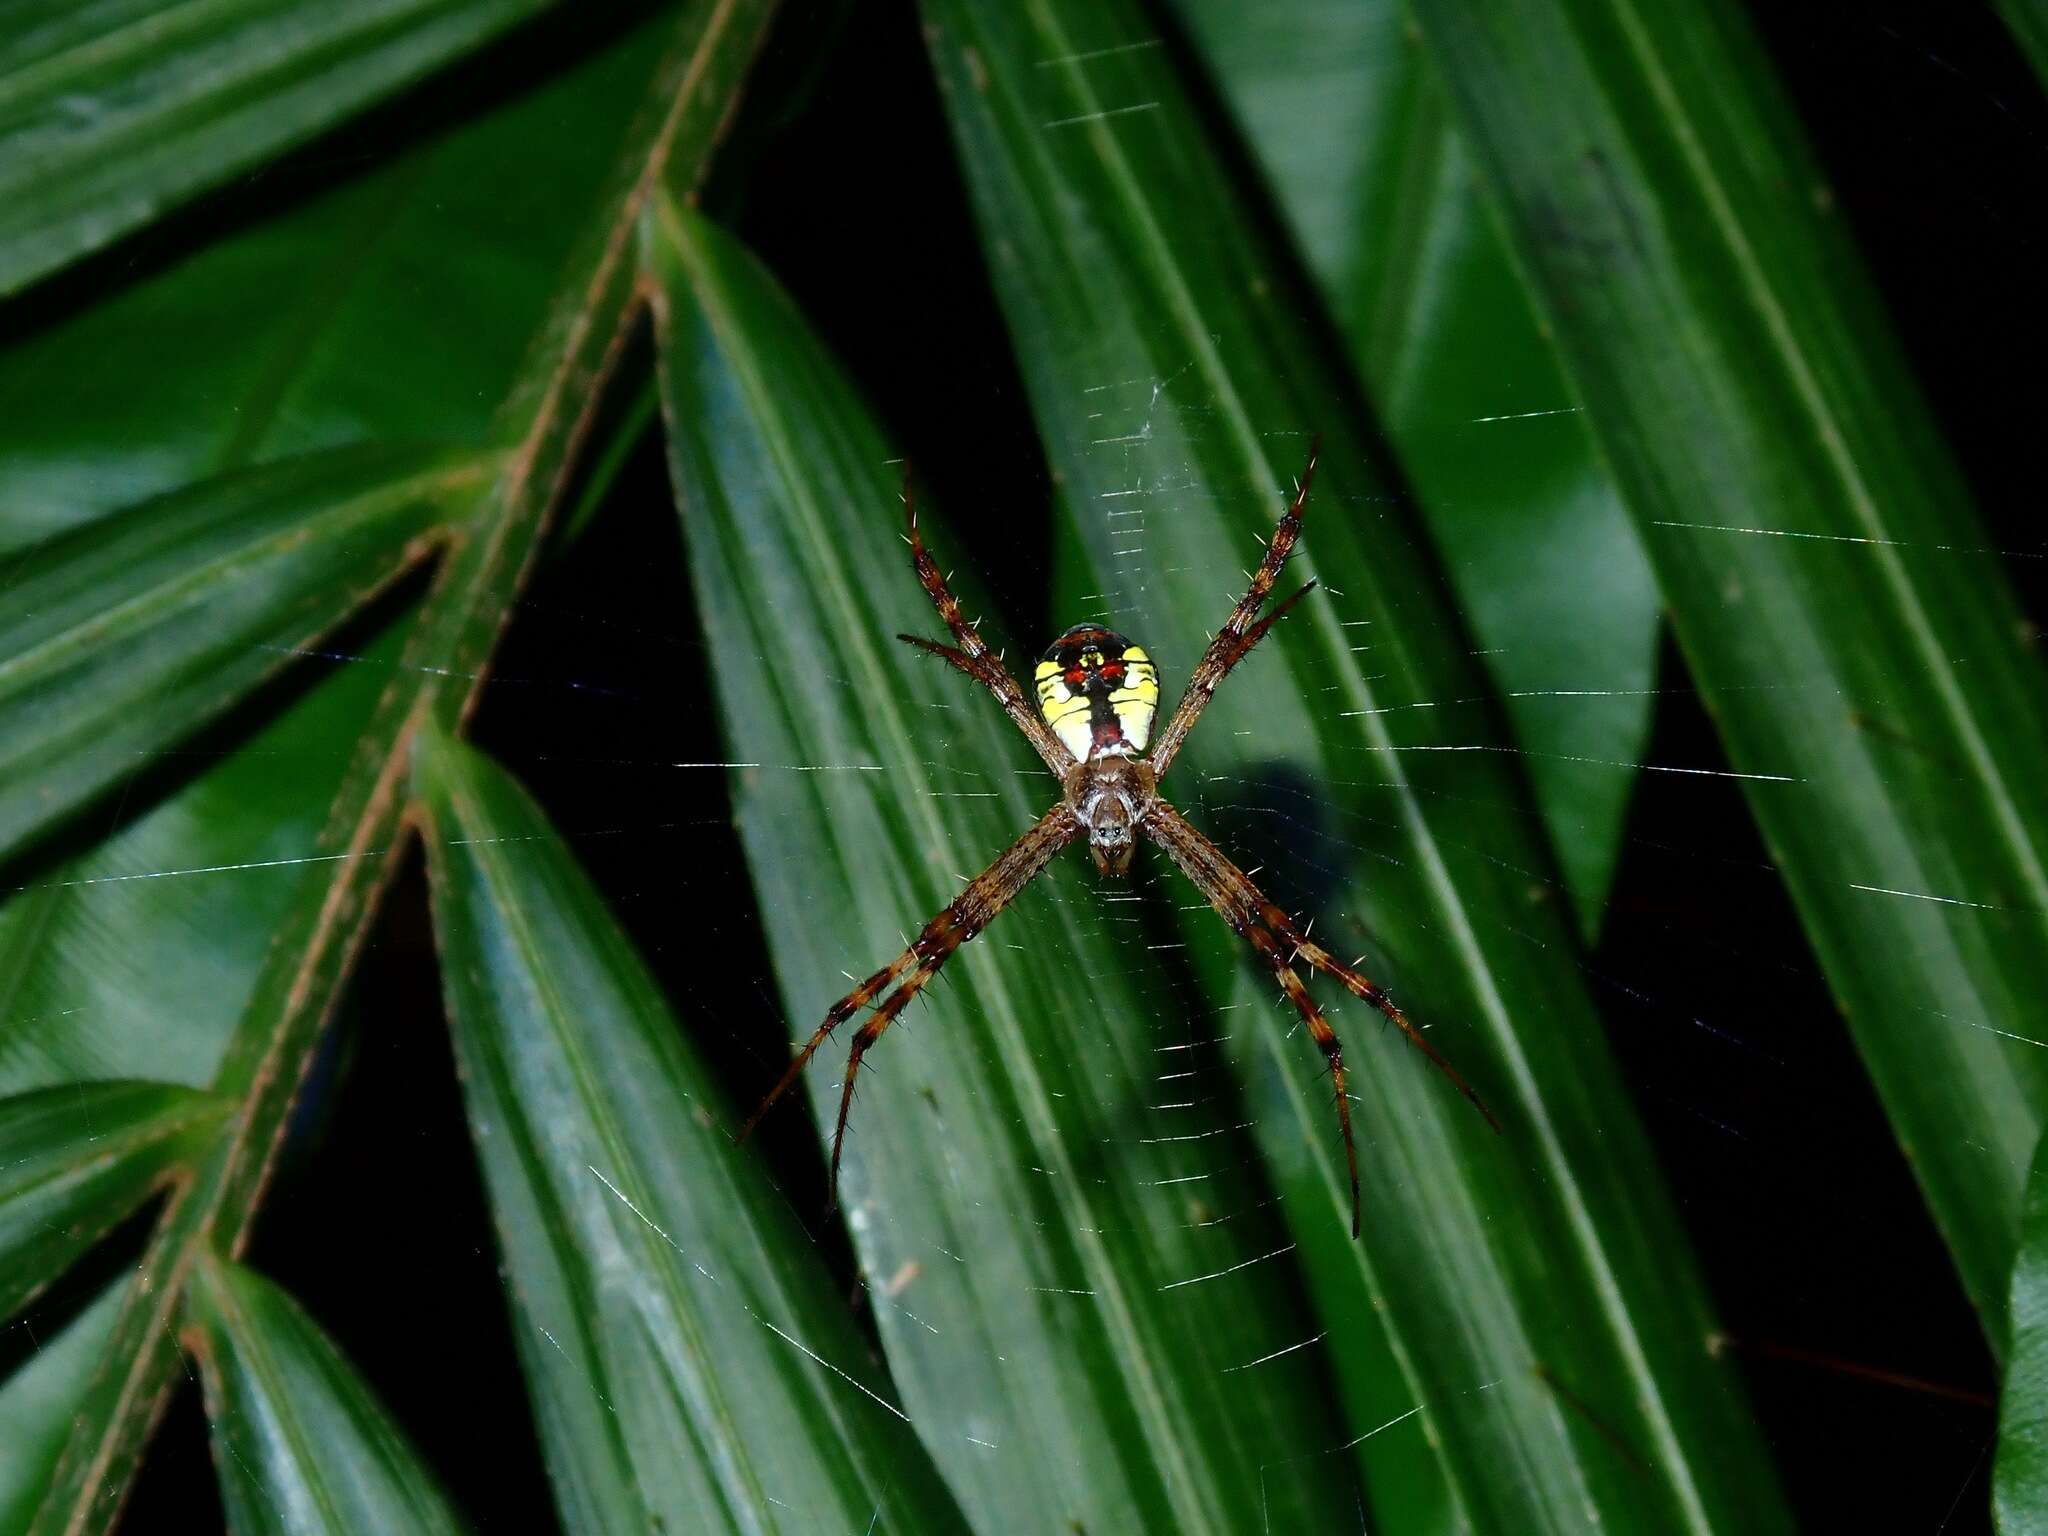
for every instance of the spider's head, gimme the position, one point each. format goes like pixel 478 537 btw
pixel 1110 795
pixel 1112 836
pixel 1098 692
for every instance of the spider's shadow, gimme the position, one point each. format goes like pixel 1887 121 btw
pixel 1274 817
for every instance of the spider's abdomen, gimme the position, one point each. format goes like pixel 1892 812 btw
pixel 1098 692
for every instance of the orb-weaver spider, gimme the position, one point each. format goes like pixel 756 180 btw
pixel 1097 695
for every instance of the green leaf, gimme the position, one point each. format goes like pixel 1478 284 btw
pixel 2028 21
pixel 302 1445
pixel 304 331
pixel 556 173
pixel 118 110
pixel 39 1401
pixel 1085 1298
pixel 690 1366
pixel 125 636
pixel 1352 129
pixel 294 335
pixel 2019 1483
pixel 290 336
pixel 1537 1283
pixel 77 1159
pixel 138 955
pixel 608 458
pixel 1852 634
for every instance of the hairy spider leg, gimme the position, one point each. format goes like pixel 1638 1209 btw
pixel 1238 634
pixel 1196 856
pixel 835 1016
pixel 871 1030
pixel 991 674
pixel 1245 907
pixel 1231 892
pixel 1358 986
pixel 1269 947
pixel 974 657
pixel 960 920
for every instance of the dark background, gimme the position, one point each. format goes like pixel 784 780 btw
pixel 1840 1307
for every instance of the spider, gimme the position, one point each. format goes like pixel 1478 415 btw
pixel 1097 696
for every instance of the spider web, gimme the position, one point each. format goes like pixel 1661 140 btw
pixel 1738 1095
pixel 582 709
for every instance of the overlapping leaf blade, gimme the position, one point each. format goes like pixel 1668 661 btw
pixel 2019 1483
pixel 2028 20
pixel 1536 1283
pixel 75 1160
pixel 1088 1308
pixel 541 175
pixel 122 638
pixel 113 111
pixel 302 1444
pixel 39 1401
pixel 1351 127
pixel 137 955
pixel 689 1365
pixel 1853 636
pixel 321 327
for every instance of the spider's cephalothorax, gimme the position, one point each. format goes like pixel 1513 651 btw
pixel 1098 695
pixel 1110 795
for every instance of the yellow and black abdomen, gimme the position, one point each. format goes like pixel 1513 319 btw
pixel 1098 692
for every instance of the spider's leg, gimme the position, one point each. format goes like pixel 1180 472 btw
pixel 973 910
pixel 1238 634
pixel 869 1032
pixel 1245 907
pixel 1263 940
pixel 992 675
pixel 960 920
pixel 1360 987
pixel 835 1016
pixel 974 657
